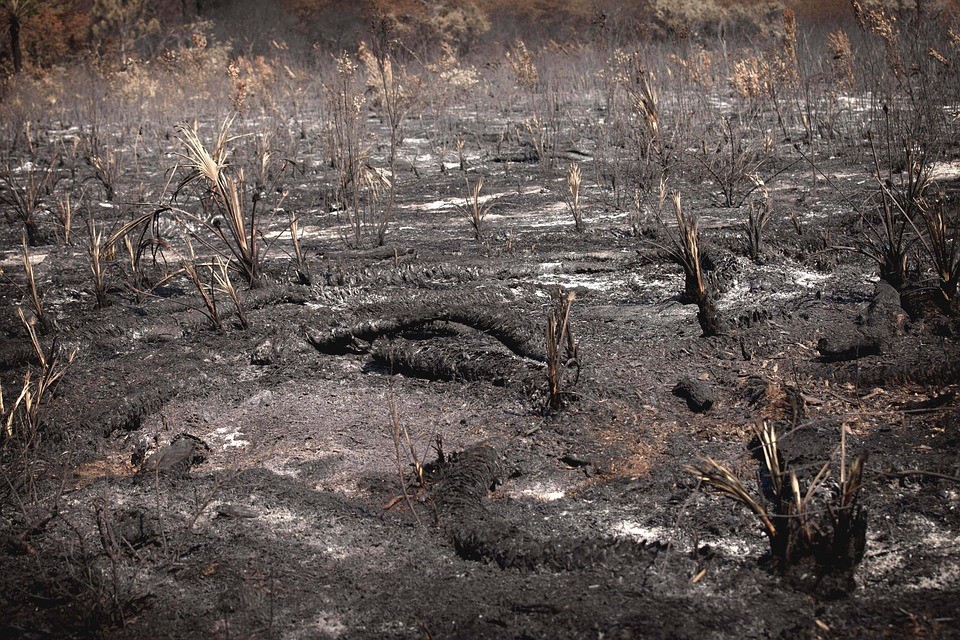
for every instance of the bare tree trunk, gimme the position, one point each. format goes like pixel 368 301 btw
pixel 15 42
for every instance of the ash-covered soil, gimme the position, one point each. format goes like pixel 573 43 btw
pixel 246 483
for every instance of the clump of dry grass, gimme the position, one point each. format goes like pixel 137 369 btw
pixel 97 249
pixel 832 535
pixel 735 162
pixel 684 250
pixel 221 276
pixel 940 239
pixel 108 167
pixel 243 241
pixel 540 135
pixel 883 24
pixel 301 264
pixel 886 241
pixel 459 145
pixel 788 47
pixel 758 218
pixel 646 104
pixel 24 191
pixel 240 87
pixel 452 76
pixel 34 290
pixel 65 217
pixel 475 209
pixel 219 284
pixel 23 420
pixel 524 69
pixel 763 76
pixel 359 185
pixel 574 181
pixel 841 54
pixel 205 291
pixel 697 65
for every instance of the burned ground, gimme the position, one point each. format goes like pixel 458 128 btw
pixel 374 455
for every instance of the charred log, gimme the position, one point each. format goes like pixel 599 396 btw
pixel 447 359
pixel 521 337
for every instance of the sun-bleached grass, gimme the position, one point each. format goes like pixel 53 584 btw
pixel 475 209
pixel 240 230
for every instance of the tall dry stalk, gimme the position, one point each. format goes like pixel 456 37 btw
pixel 524 69
pixel 347 105
pixel 841 53
pixel 397 93
pixel 221 276
pixel 33 289
pixel 645 103
pixel 574 180
pixel 401 437
pixel 65 217
pixel 758 217
pixel 562 355
pixel 686 251
pixel 300 259
pixel 95 250
pixel 206 295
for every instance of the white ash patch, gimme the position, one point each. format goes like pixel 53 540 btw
pixel 856 103
pixel 808 279
pixel 451 203
pixel 230 437
pixel 920 538
pixel 320 233
pixel 541 492
pixel 281 520
pixel 734 547
pixel 756 285
pixel 593 282
pixel 15 259
pixel 551 215
pixel 945 170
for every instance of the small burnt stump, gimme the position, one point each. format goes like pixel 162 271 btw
pixel 699 395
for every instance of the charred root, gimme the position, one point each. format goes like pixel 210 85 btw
pixel 515 334
pixel 449 359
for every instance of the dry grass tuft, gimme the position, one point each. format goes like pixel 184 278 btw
pixel 243 240
pixel 798 527
pixel 574 181
pixel 475 209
